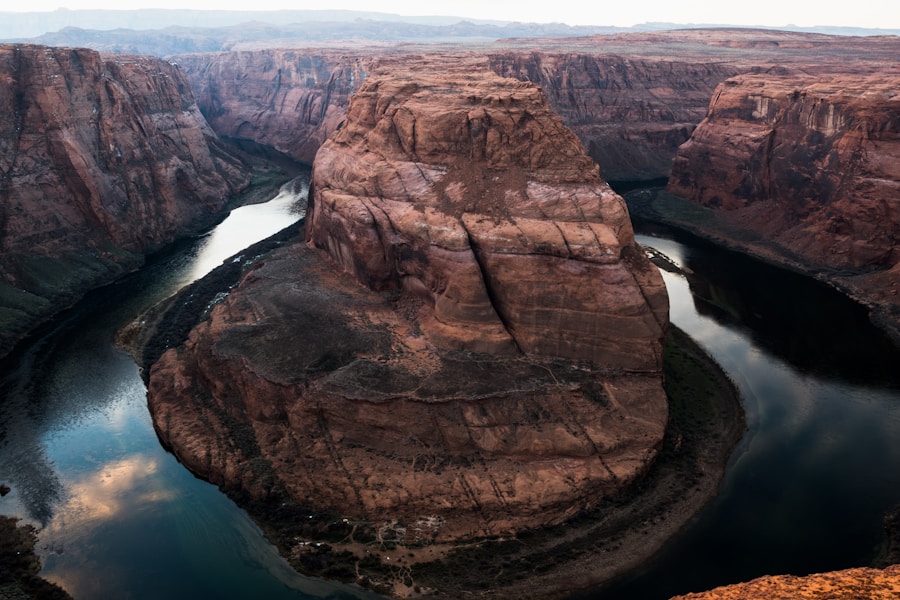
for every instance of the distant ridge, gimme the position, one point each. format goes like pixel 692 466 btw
pixel 22 26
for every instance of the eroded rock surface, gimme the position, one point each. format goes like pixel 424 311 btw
pixel 469 346
pixel 291 100
pixel 101 161
pixel 810 166
pixel 872 584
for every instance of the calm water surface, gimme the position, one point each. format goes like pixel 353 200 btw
pixel 119 518
pixel 808 486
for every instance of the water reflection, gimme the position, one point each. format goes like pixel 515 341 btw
pixel 118 516
pixel 808 486
pixel 802 321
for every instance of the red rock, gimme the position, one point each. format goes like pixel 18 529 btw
pixel 291 100
pixel 872 584
pixel 810 166
pixel 485 205
pixel 102 161
pixel 498 370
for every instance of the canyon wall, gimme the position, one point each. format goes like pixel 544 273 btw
pixel 470 343
pixel 102 160
pixel 809 167
pixel 291 100
pixel 631 114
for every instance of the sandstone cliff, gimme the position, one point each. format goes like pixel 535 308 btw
pixel 871 584
pixel 101 161
pixel 632 99
pixel 631 114
pixel 291 100
pixel 810 167
pixel 498 370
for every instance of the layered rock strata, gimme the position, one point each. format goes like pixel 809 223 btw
pixel 470 344
pixel 291 100
pixel 810 166
pixel 101 161
pixel 631 114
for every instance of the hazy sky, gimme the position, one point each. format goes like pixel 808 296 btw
pixel 856 13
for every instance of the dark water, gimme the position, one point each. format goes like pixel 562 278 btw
pixel 808 486
pixel 120 518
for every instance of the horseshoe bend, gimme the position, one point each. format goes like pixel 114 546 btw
pixel 466 344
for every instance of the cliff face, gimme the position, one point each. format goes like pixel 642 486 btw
pixel 630 114
pixel 291 100
pixel 811 167
pixel 499 368
pixel 101 161
pixel 872 584
pixel 484 205
pixel 812 164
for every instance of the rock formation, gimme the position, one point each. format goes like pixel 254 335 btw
pixel 101 161
pixel 811 167
pixel 871 584
pixel 632 99
pixel 470 344
pixel 631 114
pixel 291 100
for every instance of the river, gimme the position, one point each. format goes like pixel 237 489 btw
pixel 119 517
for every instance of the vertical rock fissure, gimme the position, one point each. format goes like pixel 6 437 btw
pixel 489 289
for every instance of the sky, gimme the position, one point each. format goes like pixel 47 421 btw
pixel 775 13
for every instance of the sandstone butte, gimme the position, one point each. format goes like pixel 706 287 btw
pixel 633 100
pixel 469 343
pixel 102 160
pixel 809 165
pixel 858 583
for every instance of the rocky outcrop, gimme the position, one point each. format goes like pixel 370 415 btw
pixel 101 161
pixel 485 207
pixel 810 166
pixel 499 368
pixel 872 584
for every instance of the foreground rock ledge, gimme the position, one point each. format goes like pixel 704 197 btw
pixel 498 370
pixel 872 584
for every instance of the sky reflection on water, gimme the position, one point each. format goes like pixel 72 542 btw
pixel 809 484
pixel 119 517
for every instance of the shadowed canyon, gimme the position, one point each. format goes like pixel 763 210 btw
pixel 463 346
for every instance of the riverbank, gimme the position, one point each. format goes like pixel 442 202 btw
pixel 878 291
pixel 706 421
pixel 67 279
pixel 19 565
